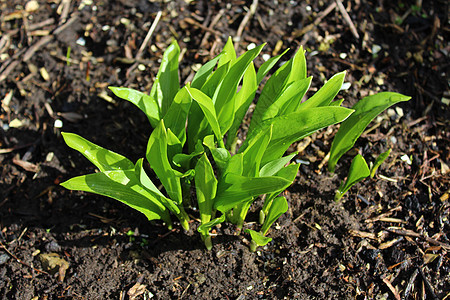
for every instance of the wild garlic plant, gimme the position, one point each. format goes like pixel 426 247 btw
pixel 193 145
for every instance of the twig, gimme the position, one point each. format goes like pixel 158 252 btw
pixel 428 285
pixel 144 43
pixel 347 18
pixel 410 284
pixel 67 24
pixel 318 19
pixel 149 35
pixel 21 261
pixel 411 233
pixel 211 26
pixel 8 70
pixel 63 10
pixel 201 26
pixel 47 39
pixel 36 46
pixel 384 215
pixel 392 288
pixel 244 22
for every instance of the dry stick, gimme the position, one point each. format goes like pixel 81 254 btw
pixel 64 9
pixel 67 24
pixel 428 285
pixel 211 26
pixel 21 261
pixel 46 39
pixel 12 63
pixel 308 28
pixel 417 235
pixel 8 150
pixel 410 284
pixel 347 18
pixel 7 36
pixel 8 70
pixel 244 22
pixel 36 46
pixel 145 42
pixel 149 35
pixel 392 288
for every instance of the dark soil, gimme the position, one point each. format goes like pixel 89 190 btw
pixel 387 239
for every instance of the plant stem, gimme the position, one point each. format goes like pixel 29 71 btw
pixel 208 242
pixel 262 216
pixel 184 218
pixel 240 212
pixel 253 246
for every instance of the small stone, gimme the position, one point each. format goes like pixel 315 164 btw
pixel 251 46
pixel 3 258
pixel 58 123
pixel 141 67
pixel 16 123
pixel 52 263
pixel 32 6
pixel 53 246
pixel 266 57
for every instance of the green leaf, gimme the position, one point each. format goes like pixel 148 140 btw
pixel 242 102
pixel 278 207
pixel 144 179
pixel 380 159
pixel 158 158
pixel 205 228
pixel 357 172
pixel 175 118
pixel 183 160
pixel 289 173
pixel 292 127
pixel 103 159
pixel 206 187
pixel 204 72
pixel 254 152
pixel 234 189
pixel 267 66
pixel 224 98
pixel 298 70
pixel 150 186
pixel 272 167
pixel 198 127
pixel 337 102
pixel 221 155
pixel 275 85
pixel 258 238
pixel 228 54
pixel 208 109
pixel 214 81
pixel 288 100
pixel 123 186
pixel 167 82
pixel 143 101
pixel 235 165
pixel 350 130
pixel 325 94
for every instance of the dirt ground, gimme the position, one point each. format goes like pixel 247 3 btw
pixel 387 239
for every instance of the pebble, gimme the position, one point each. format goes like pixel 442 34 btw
pixel 3 258
pixel 53 246
pixel 32 6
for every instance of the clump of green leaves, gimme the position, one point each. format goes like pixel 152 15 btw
pixel 193 145
pixel 351 129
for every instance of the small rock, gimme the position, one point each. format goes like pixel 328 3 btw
pixel 53 246
pixel 52 263
pixel 3 258
pixel 32 6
